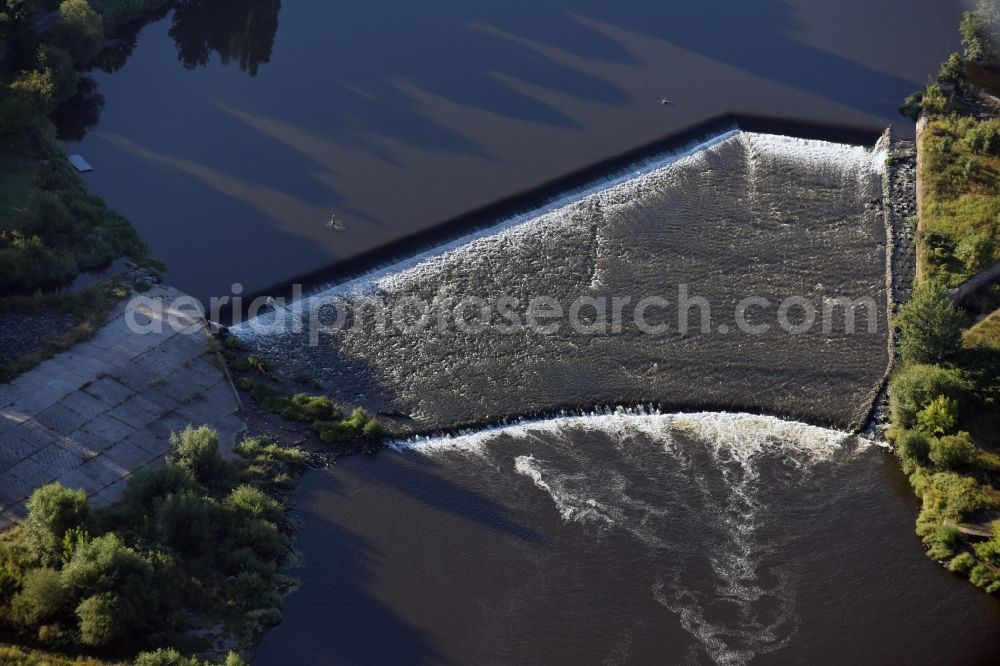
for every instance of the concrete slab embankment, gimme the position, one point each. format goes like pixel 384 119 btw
pixel 90 416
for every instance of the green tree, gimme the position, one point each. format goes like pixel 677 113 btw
pixel 953 451
pixel 913 446
pixel 81 31
pixel 101 620
pixel 913 387
pixel 979 29
pixel 37 88
pixel 64 77
pixel 53 512
pixel 41 597
pixel 952 70
pixel 939 417
pixel 930 329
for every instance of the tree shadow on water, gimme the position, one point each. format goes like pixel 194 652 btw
pixel 334 618
pixel 414 475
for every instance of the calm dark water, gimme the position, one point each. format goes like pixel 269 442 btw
pixel 233 130
pixel 624 540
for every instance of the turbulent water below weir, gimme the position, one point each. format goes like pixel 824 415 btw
pixel 623 538
pixel 745 215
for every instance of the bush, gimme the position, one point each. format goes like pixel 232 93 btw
pixel 953 451
pixel 171 657
pixel 307 407
pixel 372 430
pixel 952 70
pixel 101 621
pixel 934 99
pixel 253 502
pixel 975 251
pixel 930 328
pixel 36 88
pixel 913 446
pixel 330 432
pixel 983 138
pixel 939 417
pixel 913 105
pixel 913 388
pixel 962 563
pixel 53 512
pixel 41 597
pixel 234 343
pixel 147 486
pixel 197 450
pixel 186 523
pixel 107 566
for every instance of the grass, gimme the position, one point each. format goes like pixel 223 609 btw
pixel 986 333
pixel 15 655
pixel 960 189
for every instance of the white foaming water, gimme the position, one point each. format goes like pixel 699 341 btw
pixel 624 188
pixel 727 506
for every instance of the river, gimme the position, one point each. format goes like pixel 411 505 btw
pixel 624 539
pixel 230 132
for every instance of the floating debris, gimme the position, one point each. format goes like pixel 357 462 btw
pixel 335 224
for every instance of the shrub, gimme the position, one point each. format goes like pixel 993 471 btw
pixel 37 88
pixel 915 386
pixel 253 502
pixel 330 432
pixel 930 328
pixel 41 597
pixel 952 69
pixel 53 511
pixel 983 138
pixel 307 407
pixel 953 451
pixel 185 522
pixel 372 430
pixel 975 251
pixel 101 621
pixel 147 486
pixel 913 105
pixel 234 343
pixel 171 657
pixel 197 450
pixel 934 99
pixel 962 563
pixel 245 383
pixel 913 446
pixel 942 541
pixel 106 565
pixel 939 417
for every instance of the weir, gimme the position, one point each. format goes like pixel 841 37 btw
pixel 742 215
pixel 561 190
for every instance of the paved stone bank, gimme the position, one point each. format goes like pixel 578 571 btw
pixel 91 415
